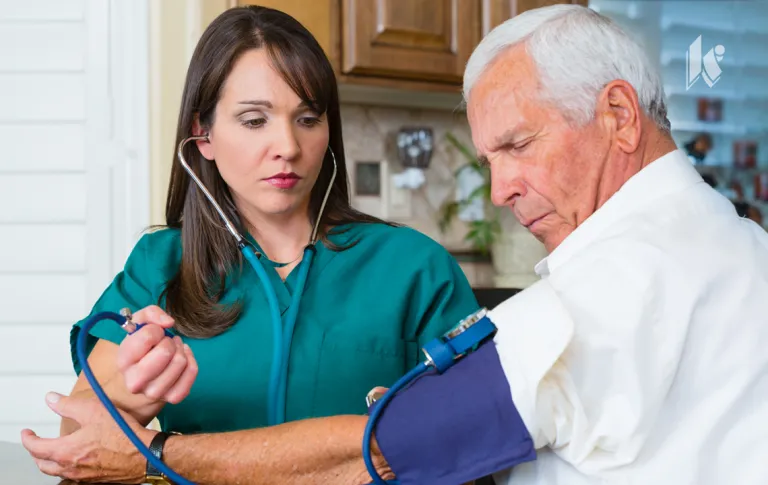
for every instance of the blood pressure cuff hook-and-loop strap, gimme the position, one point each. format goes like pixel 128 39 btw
pixel 454 427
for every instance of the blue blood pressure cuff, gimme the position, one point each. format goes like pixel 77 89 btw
pixel 454 427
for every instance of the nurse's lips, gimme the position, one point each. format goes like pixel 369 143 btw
pixel 283 180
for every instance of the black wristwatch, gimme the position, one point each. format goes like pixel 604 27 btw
pixel 153 475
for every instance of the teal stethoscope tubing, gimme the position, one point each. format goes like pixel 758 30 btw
pixel 282 332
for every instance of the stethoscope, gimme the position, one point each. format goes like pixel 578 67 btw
pixel 282 329
pixel 442 352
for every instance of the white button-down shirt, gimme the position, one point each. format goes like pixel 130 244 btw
pixel 641 356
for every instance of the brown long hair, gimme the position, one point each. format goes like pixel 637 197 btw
pixel 210 257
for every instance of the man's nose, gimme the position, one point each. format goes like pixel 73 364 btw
pixel 286 144
pixel 506 185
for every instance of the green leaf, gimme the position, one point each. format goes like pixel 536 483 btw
pixel 449 211
pixel 461 147
pixel 483 233
pixel 482 192
pixel 470 166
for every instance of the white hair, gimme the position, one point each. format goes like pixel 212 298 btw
pixel 576 52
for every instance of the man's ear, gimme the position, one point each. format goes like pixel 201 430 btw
pixel 205 146
pixel 622 114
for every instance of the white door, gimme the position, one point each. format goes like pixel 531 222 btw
pixel 74 184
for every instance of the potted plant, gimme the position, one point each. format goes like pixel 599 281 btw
pixel 513 250
pixel 482 232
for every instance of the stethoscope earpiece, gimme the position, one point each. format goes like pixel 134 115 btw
pixel 201 186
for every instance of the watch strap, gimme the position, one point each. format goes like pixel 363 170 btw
pixel 156 448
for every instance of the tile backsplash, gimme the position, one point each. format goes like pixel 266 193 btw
pixel 370 136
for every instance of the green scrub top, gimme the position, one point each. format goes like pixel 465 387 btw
pixel 365 314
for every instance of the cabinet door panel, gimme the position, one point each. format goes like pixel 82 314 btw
pixel 496 12
pixel 412 39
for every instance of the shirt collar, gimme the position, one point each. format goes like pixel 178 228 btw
pixel 666 175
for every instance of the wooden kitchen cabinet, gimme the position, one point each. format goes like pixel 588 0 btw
pixel 427 40
pixel 497 11
pixel 416 44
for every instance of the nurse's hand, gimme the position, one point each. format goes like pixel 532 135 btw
pixel 152 364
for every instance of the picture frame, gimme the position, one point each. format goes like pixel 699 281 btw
pixel 745 153
pixel 370 186
pixel 709 110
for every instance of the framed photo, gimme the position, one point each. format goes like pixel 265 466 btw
pixel 369 183
pixel 745 153
pixel 710 109
pixel 368 179
pixel 761 186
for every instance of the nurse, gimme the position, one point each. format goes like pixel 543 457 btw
pixel 262 90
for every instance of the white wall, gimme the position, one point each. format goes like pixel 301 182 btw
pixel 176 26
pixel 74 186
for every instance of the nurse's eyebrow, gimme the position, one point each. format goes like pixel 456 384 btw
pixel 258 102
pixel 267 104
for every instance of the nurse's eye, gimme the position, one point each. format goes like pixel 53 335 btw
pixel 309 121
pixel 254 123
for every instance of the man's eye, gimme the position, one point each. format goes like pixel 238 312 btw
pixel 522 146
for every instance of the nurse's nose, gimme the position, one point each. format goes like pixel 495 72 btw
pixel 286 144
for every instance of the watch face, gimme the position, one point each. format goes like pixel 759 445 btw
pixel 157 481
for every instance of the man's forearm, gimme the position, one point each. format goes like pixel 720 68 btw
pixel 313 451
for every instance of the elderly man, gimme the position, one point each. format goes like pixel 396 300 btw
pixel 640 356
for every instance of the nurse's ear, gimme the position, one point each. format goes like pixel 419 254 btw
pixel 205 146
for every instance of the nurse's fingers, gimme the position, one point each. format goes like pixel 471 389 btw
pixel 159 387
pixel 153 314
pixel 182 387
pixel 136 346
pixel 139 375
